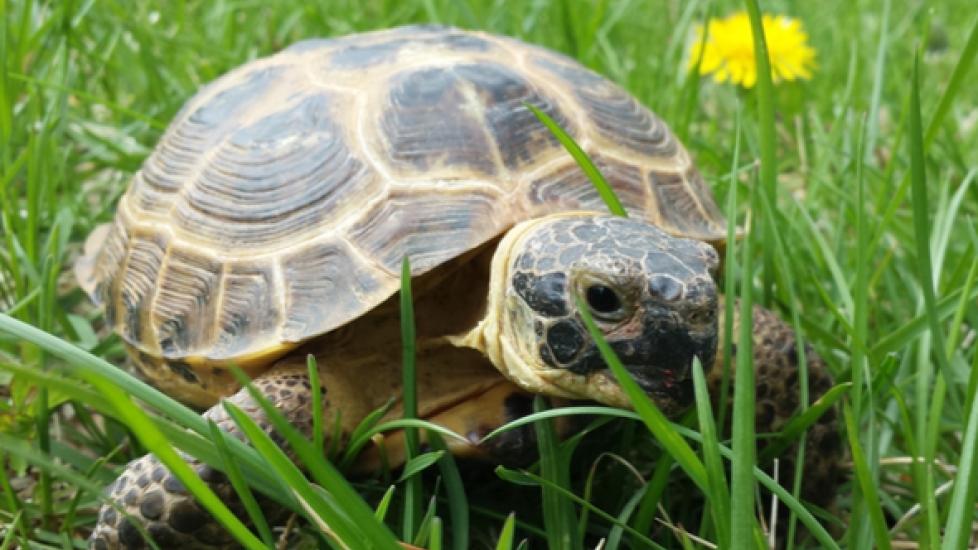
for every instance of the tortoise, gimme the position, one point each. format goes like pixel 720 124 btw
pixel 272 218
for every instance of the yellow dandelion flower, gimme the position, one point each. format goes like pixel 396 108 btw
pixel 728 53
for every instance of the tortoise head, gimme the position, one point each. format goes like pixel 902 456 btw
pixel 652 296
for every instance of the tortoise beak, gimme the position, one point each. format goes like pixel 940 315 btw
pixel 661 359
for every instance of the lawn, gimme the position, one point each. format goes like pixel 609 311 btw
pixel 855 188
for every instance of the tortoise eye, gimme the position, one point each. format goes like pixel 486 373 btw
pixel 603 300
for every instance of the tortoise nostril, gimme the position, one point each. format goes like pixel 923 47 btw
pixel 666 287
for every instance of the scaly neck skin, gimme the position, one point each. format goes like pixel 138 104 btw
pixel 494 334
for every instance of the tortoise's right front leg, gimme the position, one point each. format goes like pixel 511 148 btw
pixel 152 496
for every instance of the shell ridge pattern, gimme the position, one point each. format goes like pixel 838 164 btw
pixel 206 102
pixel 580 118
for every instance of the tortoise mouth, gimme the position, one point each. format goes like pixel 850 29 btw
pixel 670 392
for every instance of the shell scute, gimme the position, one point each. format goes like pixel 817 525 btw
pixel 273 179
pixel 571 189
pixel 429 228
pixel 137 286
pixel 679 203
pixel 518 135
pixel 249 308
pixel 430 122
pixel 331 269
pixel 182 309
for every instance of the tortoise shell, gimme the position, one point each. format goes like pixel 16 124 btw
pixel 281 200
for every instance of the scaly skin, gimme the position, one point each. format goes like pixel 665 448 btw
pixel 154 498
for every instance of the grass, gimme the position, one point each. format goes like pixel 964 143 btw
pixel 863 235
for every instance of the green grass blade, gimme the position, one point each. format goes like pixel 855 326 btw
pixel 316 388
pixel 385 502
pixel 419 464
pixel 605 190
pixel 961 510
pixel 412 485
pixel 435 534
pixel 742 519
pixel 866 483
pixel 615 535
pixel 558 513
pixel 230 467
pixel 505 541
pixel 921 222
pixel 719 496
pixel 768 146
pixel 458 503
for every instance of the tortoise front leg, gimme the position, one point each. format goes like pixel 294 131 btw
pixel 152 496
pixel 776 378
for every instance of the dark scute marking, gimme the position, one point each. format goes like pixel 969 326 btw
pixel 623 120
pixel 163 535
pixel 100 544
pixel 323 285
pixel 182 309
pixel 138 283
pixel 248 308
pixel 142 481
pixel 429 228
pixel 186 517
pixel 566 340
pixel 517 132
pixel 224 107
pixel 282 175
pixel 617 115
pixel 159 472
pixel 707 200
pixel 184 370
pixel 568 188
pixel 546 294
pixel 355 56
pixel 129 535
pixel 152 505
pixel 107 516
pixel 173 486
pixel 182 149
pixel 677 206
pixel 462 41
pixel 431 121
